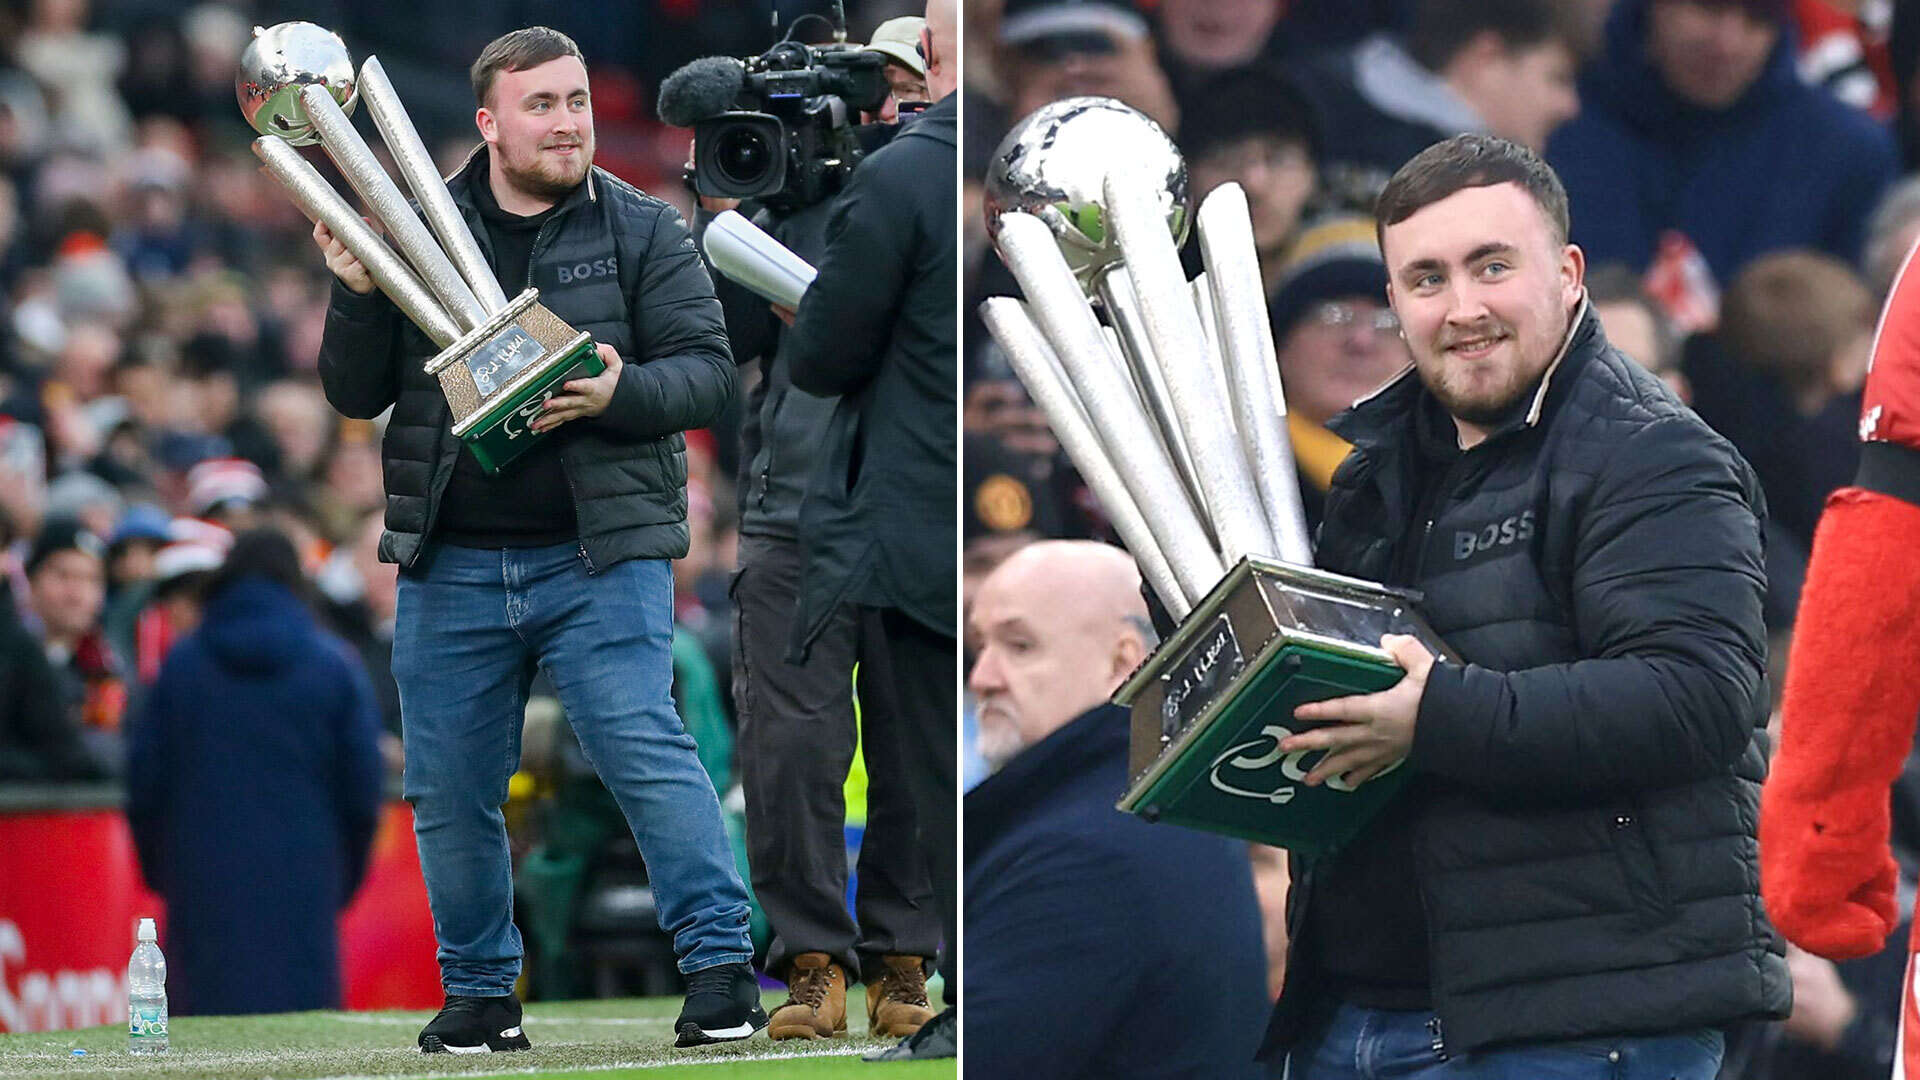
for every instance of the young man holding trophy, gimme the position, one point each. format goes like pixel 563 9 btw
pixel 535 487
pixel 1568 883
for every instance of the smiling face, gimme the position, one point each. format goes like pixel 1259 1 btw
pixel 1484 289
pixel 538 124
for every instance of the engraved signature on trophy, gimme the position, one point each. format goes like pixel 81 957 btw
pixel 1212 660
pixel 1294 768
pixel 501 358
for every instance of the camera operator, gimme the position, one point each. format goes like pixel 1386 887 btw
pixel 797 728
pixel 878 521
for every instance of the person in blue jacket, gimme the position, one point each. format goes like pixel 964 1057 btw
pixel 1696 130
pixel 254 783
pixel 1098 945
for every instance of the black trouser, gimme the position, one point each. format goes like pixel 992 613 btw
pixel 796 742
pixel 919 669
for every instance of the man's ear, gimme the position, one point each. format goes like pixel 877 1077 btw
pixel 1127 654
pixel 1573 273
pixel 489 127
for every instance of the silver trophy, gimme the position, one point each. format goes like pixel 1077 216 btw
pixel 1179 396
pixel 1174 415
pixel 499 361
pixel 1053 165
pixel 1193 353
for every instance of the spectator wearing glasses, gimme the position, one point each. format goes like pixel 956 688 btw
pixel 1336 338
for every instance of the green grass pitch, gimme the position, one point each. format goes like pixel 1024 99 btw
pixel 600 1040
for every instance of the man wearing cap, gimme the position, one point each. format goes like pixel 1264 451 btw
pixel 797 727
pixel 898 39
pixel 225 492
pixel 1337 341
pixel 1056 49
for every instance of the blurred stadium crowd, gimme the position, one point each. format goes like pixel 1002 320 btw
pixel 161 307
pixel 1741 177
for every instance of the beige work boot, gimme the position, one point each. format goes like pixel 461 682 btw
pixel 816 1005
pixel 897 1000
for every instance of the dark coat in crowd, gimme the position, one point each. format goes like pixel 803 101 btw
pixel 254 787
pixel 877 329
pixel 1785 166
pixel 39 739
pixel 643 290
pixel 1583 810
pixel 1151 931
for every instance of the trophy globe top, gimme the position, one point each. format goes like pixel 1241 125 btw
pixel 1054 165
pixel 279 61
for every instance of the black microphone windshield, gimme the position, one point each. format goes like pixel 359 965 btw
pixel 706 87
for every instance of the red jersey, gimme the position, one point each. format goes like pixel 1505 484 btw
pixel 1890 405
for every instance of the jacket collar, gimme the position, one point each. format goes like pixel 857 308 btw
pixel 940 122
pixel 1095 739
pixel 1383 416
pixel 474 171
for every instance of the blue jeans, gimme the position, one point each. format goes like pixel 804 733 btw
pixel 471 627
pixel 1391 1044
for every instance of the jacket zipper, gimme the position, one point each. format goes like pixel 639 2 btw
pixel 580 541
pixel 1432 502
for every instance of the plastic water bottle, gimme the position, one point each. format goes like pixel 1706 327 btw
pixel 147 995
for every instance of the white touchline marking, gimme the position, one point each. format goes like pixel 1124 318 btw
pixel 721 1059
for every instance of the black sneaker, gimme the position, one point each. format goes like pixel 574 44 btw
pixel 937 1038
pixel 723 1004
pixel 475 1025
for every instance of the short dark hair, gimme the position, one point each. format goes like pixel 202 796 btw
pixel 518 51
pixel 1787 313
pixel 1464 161
pixel 1441 28
pixel 265 553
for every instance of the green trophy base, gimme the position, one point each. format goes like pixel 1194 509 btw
pixel 1212 704
pixel 501 435
pixel 499 374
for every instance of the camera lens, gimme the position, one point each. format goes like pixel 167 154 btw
pixel 743 156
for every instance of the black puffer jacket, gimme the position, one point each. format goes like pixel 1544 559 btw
pixel 1588 782
pixel 614 262
pixel 877 328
